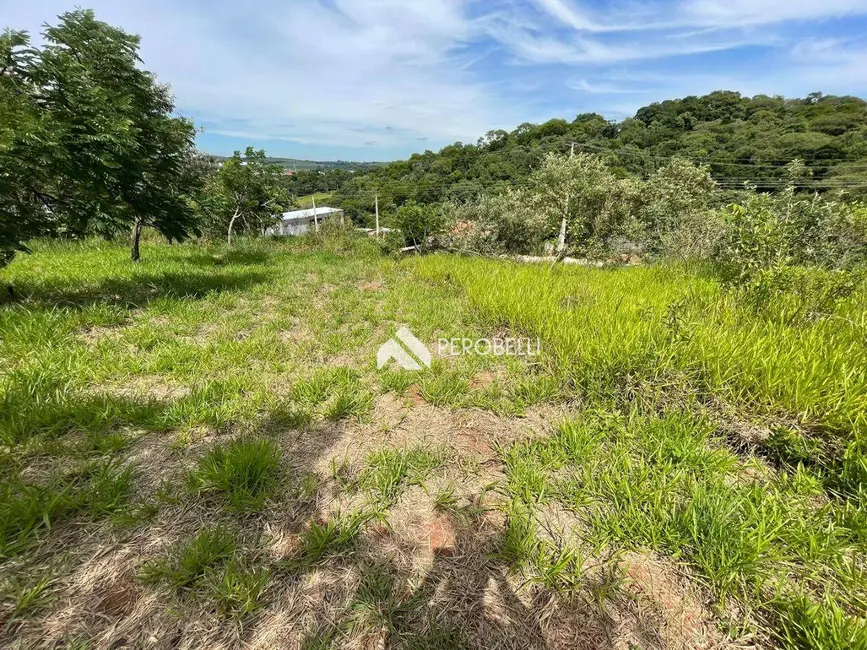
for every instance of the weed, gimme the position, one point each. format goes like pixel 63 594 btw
pixel 188 562
pixel 387 471
pixel 244 471
pixel 235 589
pixel 335 536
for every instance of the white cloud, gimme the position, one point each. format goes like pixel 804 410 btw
pixel 731 13
pixel 349 73
pixel 603 88
pixel 334 74
pixel 537 47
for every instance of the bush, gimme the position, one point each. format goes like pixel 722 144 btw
pixel 673 212
pixel 496 224
pixel 390 243
pixel 420 224
pixel 791 256
pixel 794 294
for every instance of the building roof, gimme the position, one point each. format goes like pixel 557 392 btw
pixel 297 215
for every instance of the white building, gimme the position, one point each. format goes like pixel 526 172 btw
pixel 299 222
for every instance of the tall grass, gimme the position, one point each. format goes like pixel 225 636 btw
pixel 610 328
pixel 664 482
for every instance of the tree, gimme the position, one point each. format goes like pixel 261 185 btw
pixel 121 157
pixel 582 190
pixel 89 142
pixel 245 193
pixel 24 141
pixel 676 194
pixel 419 223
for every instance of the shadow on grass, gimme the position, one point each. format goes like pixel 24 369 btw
pixel 139 289
pixel 467 599
pixel 239 257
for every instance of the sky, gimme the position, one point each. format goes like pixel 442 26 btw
pixel 381 79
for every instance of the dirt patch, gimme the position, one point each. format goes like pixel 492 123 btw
pixel 371 286
pixel 118 598
pixel 146 387
pixel 668 604
pixel 482 380
pixel 414 393
pixel 94 334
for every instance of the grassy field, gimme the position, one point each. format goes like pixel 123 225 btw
pixel 306 202
pixel 199 451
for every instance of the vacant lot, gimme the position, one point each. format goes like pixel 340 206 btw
pixel 198 451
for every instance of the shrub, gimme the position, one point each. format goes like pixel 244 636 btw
pixel 674 213
pixel 419 223
pixel 793 294
pixel 496 224
pixel 793 256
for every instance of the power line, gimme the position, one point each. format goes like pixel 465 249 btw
pixel 707 161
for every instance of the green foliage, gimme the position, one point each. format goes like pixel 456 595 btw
pixel 419 223
pixel 496 223
pixel 188 563
pixel 244 471
pixel 245 195
pixel 739 138
pixel 103 150
pixel 25 141
pixel 797 294
pixel 585 192
pixel 793 255
pixel 660 482
pixel 676 200
pixel 668 213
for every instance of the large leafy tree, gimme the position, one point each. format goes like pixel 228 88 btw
pixel 245 195
pixel 24 142
pixel 121 159
pixel 106 152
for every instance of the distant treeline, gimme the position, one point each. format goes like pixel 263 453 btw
pixel 742 139
pixel 315 165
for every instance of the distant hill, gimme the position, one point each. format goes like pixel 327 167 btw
pixel 305 165
pixel 741 139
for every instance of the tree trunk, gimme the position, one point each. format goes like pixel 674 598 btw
pixel 232 225
pixel 135 254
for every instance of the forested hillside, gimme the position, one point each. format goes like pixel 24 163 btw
pixel 741 138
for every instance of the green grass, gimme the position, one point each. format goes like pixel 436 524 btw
pixel 665 483
pixel 671 326
pixel 241 371
pixel 306 201
pixel 236 589
pixel 336 536
pixel 243 471
pixel 389 471
pixel 188 563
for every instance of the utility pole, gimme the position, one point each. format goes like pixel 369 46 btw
pixel 315 220
pixel 376 200
pixel 561 241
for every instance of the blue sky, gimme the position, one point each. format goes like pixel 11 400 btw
pixel 380 79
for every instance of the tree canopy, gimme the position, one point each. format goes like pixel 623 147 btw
pixel 739 138
pixel 90 143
